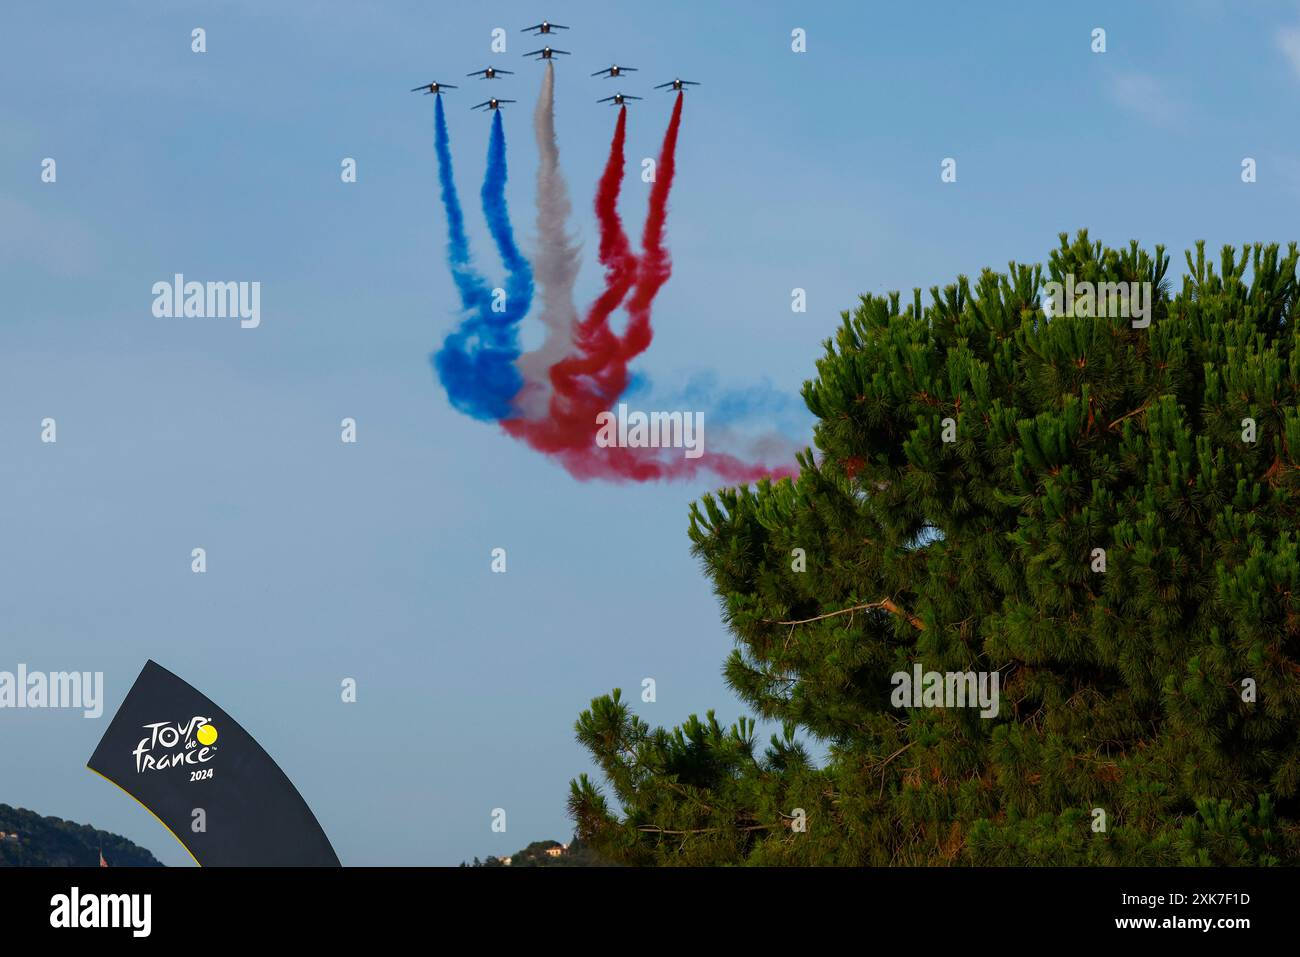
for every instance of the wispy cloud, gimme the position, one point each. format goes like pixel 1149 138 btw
pixel 1146 96
pixel 1288 41
pixel 47 239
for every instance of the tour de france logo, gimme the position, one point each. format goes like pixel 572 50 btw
pixel 175 745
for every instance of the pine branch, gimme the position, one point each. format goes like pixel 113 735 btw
pixel 1142 408
pixel 884 603
pixel 656 829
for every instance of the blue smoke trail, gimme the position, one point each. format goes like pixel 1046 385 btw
pixel 476 363
pixel 473 291
pixel 757 408
pixel 758 422
pixel 519 272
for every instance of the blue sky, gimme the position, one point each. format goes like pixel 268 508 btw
pixel 818 170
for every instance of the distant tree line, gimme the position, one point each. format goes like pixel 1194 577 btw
pixel 534 855
pixel 54 842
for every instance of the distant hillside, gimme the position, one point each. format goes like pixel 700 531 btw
pixel 534 855
pixel 54 842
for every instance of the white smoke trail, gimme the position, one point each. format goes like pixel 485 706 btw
pixel 556 264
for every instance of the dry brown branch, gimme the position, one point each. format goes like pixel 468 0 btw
pixel 656 829
pixel 884 603
pixel 1126 415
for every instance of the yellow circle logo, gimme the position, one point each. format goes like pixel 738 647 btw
pixel 207 734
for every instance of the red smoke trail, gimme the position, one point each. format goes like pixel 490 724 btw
pixel 585 383
pixel 590 381
pixel 656 265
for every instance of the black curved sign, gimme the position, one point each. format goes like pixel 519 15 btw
pixel 190 764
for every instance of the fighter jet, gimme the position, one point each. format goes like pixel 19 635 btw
pixel 546 53
pixel 618 99
pixel 615 71
pixel 492 104
pixel 676 84
pixel 545 26
pixel 434 87
pixel 489 73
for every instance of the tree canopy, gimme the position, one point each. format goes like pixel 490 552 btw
pixel 1101 513
pixel 35 841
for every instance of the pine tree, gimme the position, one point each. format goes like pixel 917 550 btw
pixel 1111 529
